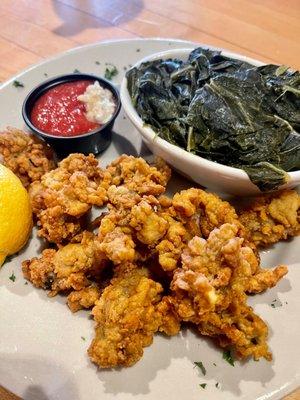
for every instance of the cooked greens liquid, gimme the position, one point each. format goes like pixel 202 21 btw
pixel 224 110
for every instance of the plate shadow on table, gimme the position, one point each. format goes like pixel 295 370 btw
pixel 103 16
pixel 56 381
pixel 136 380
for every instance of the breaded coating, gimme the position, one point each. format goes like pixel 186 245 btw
pixel 84 298
pixel 137 175
pixel 272 217
pixel 127 318
pixel 210 290
pixel 66 194
pixel 149 226
pixel 68 268
pixel 155 261
pixel 172 244
pixel 211 210
pixel 26 155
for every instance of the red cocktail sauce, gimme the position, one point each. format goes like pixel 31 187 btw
pixel 59 112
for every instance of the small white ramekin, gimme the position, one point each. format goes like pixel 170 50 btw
pixel 214 176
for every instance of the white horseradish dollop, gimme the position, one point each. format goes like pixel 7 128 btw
pixel 99 103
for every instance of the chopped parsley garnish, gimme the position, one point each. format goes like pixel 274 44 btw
pixel 228 357
pixel 76 71
pixel 26 283
pixel 200 365
pixel 97 62
pixel 83 338
pixel 110 72
pixel 12 277
pixel 217 385
pixel 45 74
pixel 18 84
pixel 215 364
pixel 276 303
pixel 203 385
pixel 138 50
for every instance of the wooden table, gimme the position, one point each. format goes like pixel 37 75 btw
pixel 32 30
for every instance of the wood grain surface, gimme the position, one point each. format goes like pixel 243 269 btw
pixel 32 30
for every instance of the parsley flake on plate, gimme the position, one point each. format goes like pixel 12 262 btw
pixel 18 84
pixel 203 385
pixel 228 357
pixel 200 365
pixel 110 72
pixel 12 277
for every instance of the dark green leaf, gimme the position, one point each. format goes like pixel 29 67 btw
pixel 203 385
pixel 224 110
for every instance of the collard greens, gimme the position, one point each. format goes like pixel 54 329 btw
pixel 224 110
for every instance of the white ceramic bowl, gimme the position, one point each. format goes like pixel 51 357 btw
pixel 216 177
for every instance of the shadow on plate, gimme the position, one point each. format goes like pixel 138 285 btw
pixel 35 378
pixel 136 380
pixel 95 14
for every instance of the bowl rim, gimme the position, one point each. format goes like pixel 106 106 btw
pixel 149 134
pixel 64 78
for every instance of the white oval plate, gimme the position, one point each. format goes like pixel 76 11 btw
pixel 42 350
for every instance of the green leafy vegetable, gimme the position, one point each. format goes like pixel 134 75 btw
pixel 83 338
pixel 224 110
pixel 76 71
pixel 203 385
pixel 110 72
pixel 18 84
pixel 228 357
pixel 12 277
pixel 200 365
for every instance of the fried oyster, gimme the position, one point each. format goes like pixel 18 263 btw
pixel 272 217
pixel 26 155
pixel 66 194
pixel 156 262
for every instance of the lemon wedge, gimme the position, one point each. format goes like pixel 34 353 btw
pixel 15 214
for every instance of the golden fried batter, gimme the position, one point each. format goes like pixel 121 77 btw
pixel 84 298
pixel 156 262
pixel 210 290
pixel 69 267
pixel 66 194
pixel 127 317
pixel 26 155
pixel 211 210
pixel 137 175
pixel 272 217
